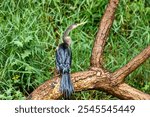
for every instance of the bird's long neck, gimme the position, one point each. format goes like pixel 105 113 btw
pixel 67 31
pixel 66 38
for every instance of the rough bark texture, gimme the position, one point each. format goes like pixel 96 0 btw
pixel 104 28
pixel 96 77
pixel 120 74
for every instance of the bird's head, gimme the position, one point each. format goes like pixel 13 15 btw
pixel 68 40
pixel 66 37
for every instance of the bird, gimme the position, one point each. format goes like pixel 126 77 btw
pixel 64 60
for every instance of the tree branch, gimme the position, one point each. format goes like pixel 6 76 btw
pixel 98 78
pixel 120 74
pixel 125 92
pixel 50 89
pixel 104 28
pixel 93 79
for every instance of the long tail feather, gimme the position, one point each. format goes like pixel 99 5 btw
pixel 66 86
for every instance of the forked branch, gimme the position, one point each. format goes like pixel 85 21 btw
pixel 87 80
pixel 96 78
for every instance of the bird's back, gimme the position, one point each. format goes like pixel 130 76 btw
pixel 63 57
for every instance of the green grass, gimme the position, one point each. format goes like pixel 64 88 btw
pixel 31 30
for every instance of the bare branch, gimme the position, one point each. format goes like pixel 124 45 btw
pixel 50 89
pixel 120 74
pixel 105 25
pixel 87 80
pixel 98 78
pixel 126 92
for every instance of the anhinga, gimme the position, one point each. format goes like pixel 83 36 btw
pixel 63 62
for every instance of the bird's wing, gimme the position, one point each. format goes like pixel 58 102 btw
pixel 63 59
pixel 59 58
pixel 68 57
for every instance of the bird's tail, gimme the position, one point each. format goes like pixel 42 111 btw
pixel 66 86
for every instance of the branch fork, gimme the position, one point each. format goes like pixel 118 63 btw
pixel 97 78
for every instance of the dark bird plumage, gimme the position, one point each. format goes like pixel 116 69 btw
pixel 63 63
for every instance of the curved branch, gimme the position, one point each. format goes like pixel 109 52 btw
pixel 105 25
pixel 98 78
pixel 120 74
pixel 126 92
pixel 50 89
pixel 87 80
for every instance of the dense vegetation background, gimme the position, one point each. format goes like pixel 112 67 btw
pixel 30 31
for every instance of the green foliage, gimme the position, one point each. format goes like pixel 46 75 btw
pixel 30 31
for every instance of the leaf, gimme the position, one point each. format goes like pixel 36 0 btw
pixel 26 54
pixel 28 39
pixel 2 96
pixel 18 43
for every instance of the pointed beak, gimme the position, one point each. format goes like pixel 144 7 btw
pixel 76 25
pixel 82 23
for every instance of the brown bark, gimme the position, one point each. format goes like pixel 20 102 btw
pixel 105 25
pixel 120 74
pixel 97 78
